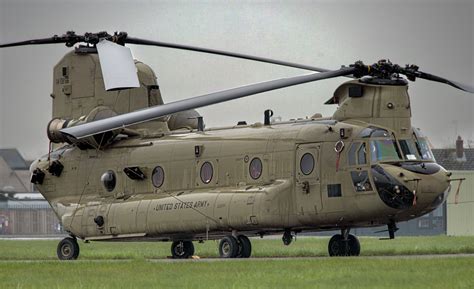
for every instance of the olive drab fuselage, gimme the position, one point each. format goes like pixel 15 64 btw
pixel 364 166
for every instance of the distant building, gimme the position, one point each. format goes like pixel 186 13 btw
pixel 23 211
pixel 14 173
pixel 460 204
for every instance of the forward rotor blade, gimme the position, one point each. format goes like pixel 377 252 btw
pixel 458 85
pixel 50 40
pixel 151 113
pixel 132 40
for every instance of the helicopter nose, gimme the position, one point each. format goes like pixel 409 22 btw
pixel 424 185
pixel 392 192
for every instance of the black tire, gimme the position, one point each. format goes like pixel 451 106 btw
pixel 337 246
pixel 68 249
pixel 354 245
pixel 245 247
pixel 228 247
pixel 182 249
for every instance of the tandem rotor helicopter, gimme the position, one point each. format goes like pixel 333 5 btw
pixel 126 166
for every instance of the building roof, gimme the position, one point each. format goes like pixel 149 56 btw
pixel 448 159
pixel 14 159
pixel 24 204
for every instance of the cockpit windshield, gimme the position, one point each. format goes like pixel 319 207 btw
pixel 384 150
pixel 409 150
pixel 383 147
pixel 416 149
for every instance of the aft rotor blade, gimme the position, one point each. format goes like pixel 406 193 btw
pixel 118 68
pixel 151 113
pixel 132 40
pixel 458 85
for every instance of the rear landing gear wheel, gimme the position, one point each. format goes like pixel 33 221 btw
pixel 245 247
pixel 68 249
pixel 228 247
pixel 340 247
pixel 182 249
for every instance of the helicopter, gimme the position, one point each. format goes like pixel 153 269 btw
pixel 125 166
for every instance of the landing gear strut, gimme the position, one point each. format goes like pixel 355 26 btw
pixel 68 249
pixel 344 244
pixel 392 228
pixel 182 249
pixel 287 237
pixel 235 247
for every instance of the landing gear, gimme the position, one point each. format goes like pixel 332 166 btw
pixel 245 247
pixel 228 247
pixel 232 247
pixel 68 249
pixel 344 244
pixel 287 238
pixel 182 249
pixel 392 228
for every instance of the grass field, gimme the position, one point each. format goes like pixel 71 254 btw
pixel 302 247
pixel 32 264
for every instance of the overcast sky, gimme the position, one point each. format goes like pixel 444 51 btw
pixel 436 35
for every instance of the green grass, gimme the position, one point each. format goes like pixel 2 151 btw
pixel 290 273
pixel 308 247
pixel 33 264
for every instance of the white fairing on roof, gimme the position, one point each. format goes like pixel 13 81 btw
pixel 118 67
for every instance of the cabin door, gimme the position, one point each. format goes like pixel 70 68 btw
pixel 308 183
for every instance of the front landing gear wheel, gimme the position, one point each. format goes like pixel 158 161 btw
pixel 228 247
pixel 68 249
pixel 245 247
pixel 182 249
pixel 354 245
pixel 340 247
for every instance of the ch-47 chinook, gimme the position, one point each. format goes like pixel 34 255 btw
pixel 126 166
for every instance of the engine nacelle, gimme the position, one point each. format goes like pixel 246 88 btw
pixel 98 140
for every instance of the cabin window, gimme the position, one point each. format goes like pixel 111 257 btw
pixel 334 190
pixel 109 180
pixel 206 172
pixel 255 168
pixel 307 164
pixel 158 176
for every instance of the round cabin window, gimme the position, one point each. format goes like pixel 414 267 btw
pixel 109 180
pixel 158 176
pixel 206 172
pixel 255 168
pixel 307 164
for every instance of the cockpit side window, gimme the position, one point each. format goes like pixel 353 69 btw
pixel 422 145
pixel 352 154
pixel 424 149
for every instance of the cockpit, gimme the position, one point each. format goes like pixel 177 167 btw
pixel 382 147
pixel 392 167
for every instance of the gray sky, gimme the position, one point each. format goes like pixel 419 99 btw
pixel 436 35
